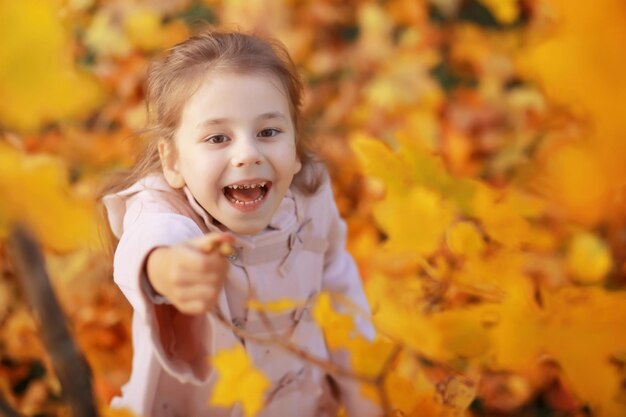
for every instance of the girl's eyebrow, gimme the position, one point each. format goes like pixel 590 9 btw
pixel 272 115
pixel 224 120
pixel 214 122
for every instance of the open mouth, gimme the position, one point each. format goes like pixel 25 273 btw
pixel 247 194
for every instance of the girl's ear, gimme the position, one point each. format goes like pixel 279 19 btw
pixel 298 165
pixel 169 163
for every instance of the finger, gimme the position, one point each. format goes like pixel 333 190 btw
pixel 193 279
pixel 211 241
pixel 203 293
pixel 192 261
pixel 193 308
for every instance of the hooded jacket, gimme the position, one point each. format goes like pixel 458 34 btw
pixel 300 254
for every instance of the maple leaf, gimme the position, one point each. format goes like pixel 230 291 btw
pixel 463 333
pixel 524 333
pixel 338 328
pixel 35 190
pixel 378 160
pixel 368 357
pixel 239 381
pixel 500 217
pixel 414 221
pixel 414 217
pixel 582 66
pixel 398 311
pixel 273 306
pixel 38 80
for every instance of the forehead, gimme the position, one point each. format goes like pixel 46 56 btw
pixel 229 95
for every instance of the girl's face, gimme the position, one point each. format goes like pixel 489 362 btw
pixel 236 149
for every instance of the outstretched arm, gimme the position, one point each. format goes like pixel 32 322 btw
pixel 180 341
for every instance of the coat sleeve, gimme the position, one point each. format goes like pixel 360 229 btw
pixel 341 276
pixel 180 342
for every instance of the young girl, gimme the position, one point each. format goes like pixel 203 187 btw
pixel 227 165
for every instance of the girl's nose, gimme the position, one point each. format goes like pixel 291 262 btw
pixel 246 153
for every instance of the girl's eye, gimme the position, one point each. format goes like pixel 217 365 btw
pixel 217 139
pixel 267 133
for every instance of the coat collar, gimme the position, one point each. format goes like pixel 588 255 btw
pixel 283 221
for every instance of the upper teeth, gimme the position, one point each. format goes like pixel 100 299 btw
pixel 246 186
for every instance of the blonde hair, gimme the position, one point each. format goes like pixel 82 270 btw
pixel 174 76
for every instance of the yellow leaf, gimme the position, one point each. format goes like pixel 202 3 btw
pixel 506 11
pixel 492 275
pixel 402 392
pixel 588 258
pixel 580 333
pixel 274 306
pixel 378 160
pixel 38 80
pixel 411 165
pixel 429 171
pixel 368 357
pixel 338 328
pixel 463 332
pixel 239 381
pixel 398 312
pixel 581 66
pixel 580 63
pixel 501 217
pixel 408 387
pixel 35 190
pixel 414 220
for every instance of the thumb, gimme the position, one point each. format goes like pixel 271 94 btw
pixel 212 241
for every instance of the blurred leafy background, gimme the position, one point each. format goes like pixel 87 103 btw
pixel 477 149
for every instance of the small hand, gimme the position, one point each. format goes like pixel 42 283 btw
pixel 191 274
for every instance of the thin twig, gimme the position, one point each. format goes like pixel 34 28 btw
pixel 69 364
pixel 380 379
pixel 326 365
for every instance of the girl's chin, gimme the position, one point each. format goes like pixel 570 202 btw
pixel 242 229
pixel 243 226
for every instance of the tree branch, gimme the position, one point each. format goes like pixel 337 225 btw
pixel 69 364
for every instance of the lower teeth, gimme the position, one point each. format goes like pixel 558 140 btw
pixel 245 203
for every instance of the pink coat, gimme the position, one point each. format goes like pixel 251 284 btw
pixel 300 254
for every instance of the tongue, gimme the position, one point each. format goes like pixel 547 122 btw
pixel 241 194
